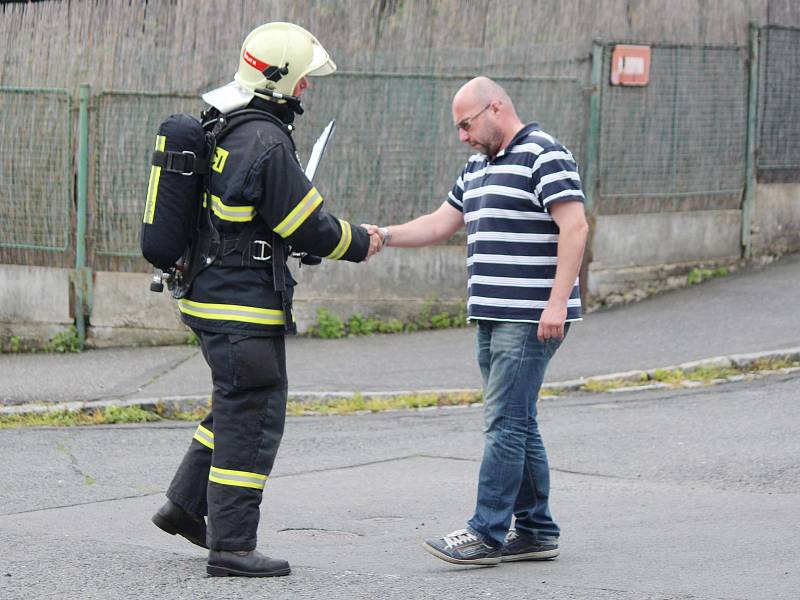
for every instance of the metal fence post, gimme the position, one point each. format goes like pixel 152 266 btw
pixel 748 202
pixel 592 177
pixel 82 278
pixel 592 186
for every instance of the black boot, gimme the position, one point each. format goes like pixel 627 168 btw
pixel 173 519
pixel 245 564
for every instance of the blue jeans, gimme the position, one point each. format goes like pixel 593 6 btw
pixel 514 474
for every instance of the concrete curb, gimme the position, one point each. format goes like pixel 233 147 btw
pixel 173 404
pixel 739 361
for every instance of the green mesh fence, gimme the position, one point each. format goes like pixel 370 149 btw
pixel 394 156
pixel 125 126
pixel 779 108
pixel 681 135
pixel 396 153
pixel 35 169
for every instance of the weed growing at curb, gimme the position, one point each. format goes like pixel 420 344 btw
pixel 359 404
pixel 599 385
pixel 331 326
pixel 108 415
pixel 703 374
pixel 699 275
pixel 63 341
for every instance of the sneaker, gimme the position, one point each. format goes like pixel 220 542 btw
pixel 522 547
pixel 463 547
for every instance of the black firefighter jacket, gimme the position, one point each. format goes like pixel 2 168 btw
pixel 257 185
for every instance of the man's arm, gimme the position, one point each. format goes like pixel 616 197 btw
pixel 573 229
pixel 425 230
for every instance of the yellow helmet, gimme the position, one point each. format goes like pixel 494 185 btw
pixel 274 56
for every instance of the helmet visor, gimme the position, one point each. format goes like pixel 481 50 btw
pixel 321 63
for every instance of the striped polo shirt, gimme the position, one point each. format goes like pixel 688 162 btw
pixel 512 241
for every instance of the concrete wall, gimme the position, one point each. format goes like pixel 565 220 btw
pixel 396 283
pixel 776 218
pixel 34 303
pixel 631 252
pixel 647 249
pixel 125 311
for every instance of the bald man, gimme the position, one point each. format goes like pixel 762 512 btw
pixel 520 198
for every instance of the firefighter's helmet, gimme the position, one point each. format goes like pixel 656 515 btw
pixel 275 56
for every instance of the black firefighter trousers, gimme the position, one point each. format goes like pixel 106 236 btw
pixel 231 455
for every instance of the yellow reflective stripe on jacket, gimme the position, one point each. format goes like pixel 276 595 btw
pixel 299 213
pixel 227 212
pixel 232 312
pixel 344 242
pixel 204 436
pixel 152 186
pixel 237 478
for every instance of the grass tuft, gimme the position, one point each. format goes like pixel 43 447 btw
pixel 65 418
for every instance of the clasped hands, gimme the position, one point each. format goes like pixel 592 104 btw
pixel 375 240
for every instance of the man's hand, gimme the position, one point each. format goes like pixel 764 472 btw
pixel 375 242
pixel 371 229
pixel 551 323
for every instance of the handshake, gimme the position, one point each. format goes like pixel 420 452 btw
pixel 378 238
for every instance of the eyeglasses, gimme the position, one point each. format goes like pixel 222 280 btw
pixel 466 124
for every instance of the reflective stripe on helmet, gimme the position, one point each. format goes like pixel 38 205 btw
pixel 278 55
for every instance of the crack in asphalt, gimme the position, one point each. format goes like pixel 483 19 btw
pixel 288 475
pixel 157 376
pixel 73 463
pixel 603 475
pixel 153 379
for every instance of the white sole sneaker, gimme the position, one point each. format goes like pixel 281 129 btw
pixel 540 555
pixel 487 561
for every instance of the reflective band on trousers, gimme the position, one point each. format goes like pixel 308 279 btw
pixel 237 478
pixel 204 436
pixel 232 312
pixel 228 212
pixel 344 241
pixel 299 213
pixel 152 186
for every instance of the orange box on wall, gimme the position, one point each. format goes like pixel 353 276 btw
pixel 630 65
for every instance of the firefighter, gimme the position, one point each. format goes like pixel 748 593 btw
pixel 263 207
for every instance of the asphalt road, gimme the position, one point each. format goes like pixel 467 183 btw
pixel 690 494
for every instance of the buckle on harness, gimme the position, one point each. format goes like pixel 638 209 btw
pixel 189 159
pixel 263 246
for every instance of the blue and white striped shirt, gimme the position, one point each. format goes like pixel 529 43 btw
pixel 512 241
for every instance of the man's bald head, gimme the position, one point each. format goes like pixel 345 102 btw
pixel 482 91
pixel 485 116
